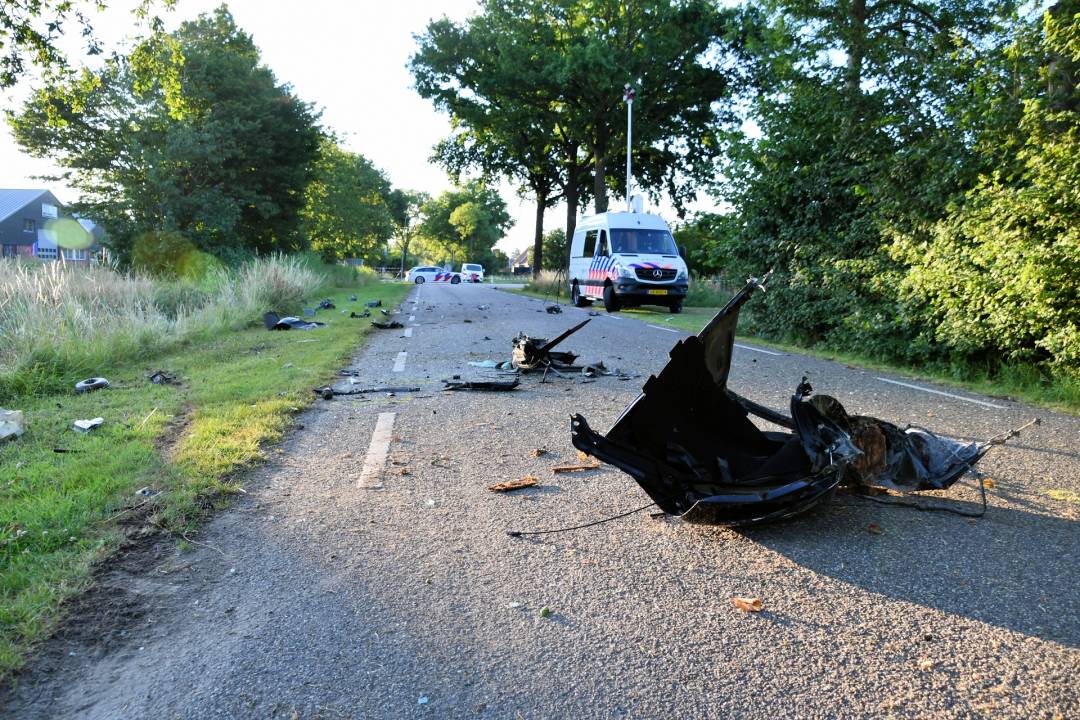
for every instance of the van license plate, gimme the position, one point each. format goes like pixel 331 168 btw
pixel 658 292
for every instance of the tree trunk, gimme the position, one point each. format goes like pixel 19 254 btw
pixel 571 217
pixel 856 48
pixel 538 234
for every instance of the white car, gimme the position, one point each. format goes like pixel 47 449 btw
pixel 472 272
pixel 427 273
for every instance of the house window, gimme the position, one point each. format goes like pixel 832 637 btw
pixel 74 254
pixel 29 225
pixel 46 253
pixel 10 251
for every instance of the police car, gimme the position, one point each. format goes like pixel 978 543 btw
pixel 426 273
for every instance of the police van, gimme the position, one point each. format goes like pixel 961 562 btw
pixel 626 259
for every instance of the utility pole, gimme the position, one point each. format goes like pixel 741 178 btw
pixel 628 96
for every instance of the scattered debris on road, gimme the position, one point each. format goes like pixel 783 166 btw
pixel 290 322
pixel 85 426
pixel 390 325
pixel 495 385
pixel 12 424
pixel 327 392
pixel 539 452
pixel 747 604
pixel 688 441
pixel 527 481
pixel 326 304
pixel 90 384
pixel 374 303
pixel 553 310
pixel 575 468
pixel 531 353
pixel 365 314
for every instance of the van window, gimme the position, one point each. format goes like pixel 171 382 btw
pixel 650 242
pixel 590 244
pixel 603 251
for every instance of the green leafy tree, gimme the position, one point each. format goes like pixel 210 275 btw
pixel 463 225
pixel 189 134
pixel 405 211
pixel 535 87
pixel 347 211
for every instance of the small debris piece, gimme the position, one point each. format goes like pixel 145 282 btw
pixel 85 426
pixel 747 604
pixel 874 529
pixel 575 468
pixel 422 701
pixel 326 304
pixel 12 424
pixel 291 322
pixel 482 308
pixel 365 314
pixel 90 384
pixel 583 456
pixel 164 377
pixel 988 483
pixel 484 363
pixel 553 309
pixel 375 303
pixel 384 312
pixel 363 390
pixel 496 385
pixel 352 298
pixel 467 320
pixel 926 664
pixel 545 612
pixel 539 452
pixel 392 325
pixel 286 366
pixel 527 481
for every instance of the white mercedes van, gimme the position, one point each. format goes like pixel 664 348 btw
pixel 626 259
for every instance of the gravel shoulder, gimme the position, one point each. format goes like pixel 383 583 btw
pixel 314 598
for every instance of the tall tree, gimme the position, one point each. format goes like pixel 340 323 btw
pixel 463 225
pixel 347 211
pixel 406 211
pixel 189 133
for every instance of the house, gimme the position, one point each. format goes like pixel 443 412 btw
pixel 520 264
pixel 30 226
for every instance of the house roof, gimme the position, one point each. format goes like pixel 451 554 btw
pixel 11 201
pixel 522 258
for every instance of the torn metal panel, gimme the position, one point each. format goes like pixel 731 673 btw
pixel 690 444
pixel 291 322
pixel 495 385
pixel 530 353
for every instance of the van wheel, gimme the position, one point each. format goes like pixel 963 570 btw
pixel 419 280
pixel 675 307
pixel 575 297
pixel 455 280
pixel 611 303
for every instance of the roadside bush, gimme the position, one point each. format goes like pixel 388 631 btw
pixel 60 322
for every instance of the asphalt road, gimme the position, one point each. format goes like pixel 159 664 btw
pixel 315 598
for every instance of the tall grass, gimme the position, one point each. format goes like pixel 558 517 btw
pixel 60 321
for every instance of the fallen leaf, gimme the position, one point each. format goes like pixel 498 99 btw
pixel 988 482
pixel 747 604
pixel 404 471
pixel 874 529
pixel 582 455
pixel 527 481
pixel 539 452
pixel 545 612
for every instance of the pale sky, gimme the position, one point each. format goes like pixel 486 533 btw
pixel 348 58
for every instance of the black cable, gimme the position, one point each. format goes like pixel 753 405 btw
pixel 519 533
pixel 893 502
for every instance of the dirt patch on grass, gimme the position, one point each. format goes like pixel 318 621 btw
pixel 168 441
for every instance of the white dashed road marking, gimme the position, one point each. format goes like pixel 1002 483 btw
pixel 412 318
pixel 939 392
pixel 665 329
pixel 747 347
pixel 408 332
pixel 377 451
pixel 399 364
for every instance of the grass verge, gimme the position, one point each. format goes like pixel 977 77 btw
pixel 67 500
pixel 1022 383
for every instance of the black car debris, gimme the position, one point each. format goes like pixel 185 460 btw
pixel 689 442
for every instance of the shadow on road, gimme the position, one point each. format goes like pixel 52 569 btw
pixel 1012 568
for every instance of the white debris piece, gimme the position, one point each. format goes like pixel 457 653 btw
pixel 11 424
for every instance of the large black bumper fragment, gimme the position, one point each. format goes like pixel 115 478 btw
pixel 688 441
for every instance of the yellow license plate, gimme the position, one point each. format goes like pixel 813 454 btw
pixel 658 292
